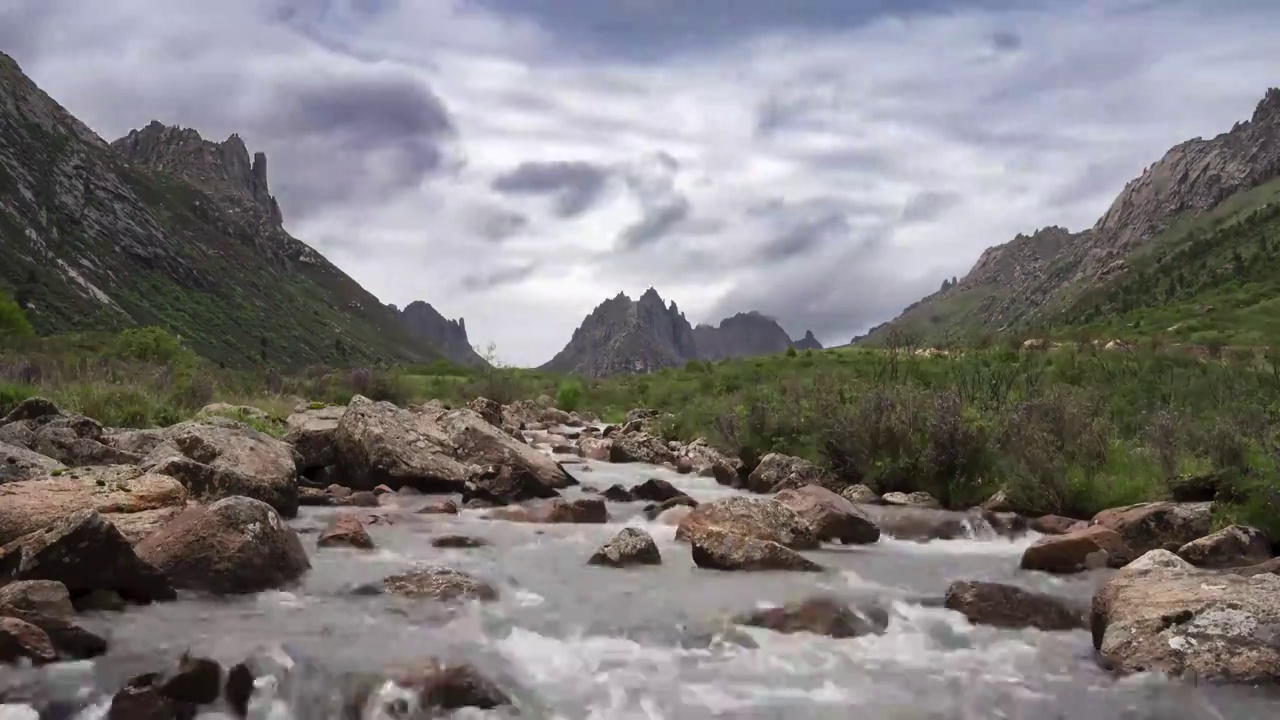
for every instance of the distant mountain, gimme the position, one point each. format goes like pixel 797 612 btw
pixel 625 336
pixel 1047 279
pixel 163 227
pixel 808 342
pixel 447 336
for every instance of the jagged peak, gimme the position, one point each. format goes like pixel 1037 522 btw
pixel 1269 107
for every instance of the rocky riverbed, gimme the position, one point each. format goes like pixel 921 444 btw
pixel 420 562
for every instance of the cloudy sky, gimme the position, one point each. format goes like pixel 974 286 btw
pixel 516 162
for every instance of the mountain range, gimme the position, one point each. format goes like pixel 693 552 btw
pixel 1185 205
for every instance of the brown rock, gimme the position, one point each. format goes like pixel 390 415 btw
pixel 504 484
pixel 439 583
pixel 20 640
pixel 313 497
pixel 684 465
pixel 655 490
pixel 987 603
pixel 1232 546
pixel 631 546
pixel 383 490
pixel 214 461
pixel 458 541
pixel 141 700
pixel 478 443
pixel 785 471
pixel 1056 525
pixel 829 516
pixel 84 552
pixel 860 494
pixel 820 616
pixel 311 433
pixel 594 448
pixel 378 443
pixel 639 447
pixel 1161 614
pixel 761 519
pixel 1149 526
pixel 100 601
pixel 726 474
pixel 440 507
pixel 18 463
pixel 45 597
pixel 338 491
pixel 915 499
pixel 236 545
pixel 70 641
pixel 345 530
pixel 617 493
pixel 921 523
pixel 363 498
pixel 1092 547
pixel 583 510
pixel 652 511
pixel 451 687
pixel 113 491
pixel 718 549
pixel 197 681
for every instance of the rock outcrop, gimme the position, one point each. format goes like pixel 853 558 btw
pixel 134 501
pixel 808 342
pixel 447 336
pixel 1150 526
pixel 378 443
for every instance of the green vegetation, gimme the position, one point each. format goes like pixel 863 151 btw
pixel 13 321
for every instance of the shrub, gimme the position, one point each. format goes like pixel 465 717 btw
pixel 150 344
pixel 13 321
pixel 569 395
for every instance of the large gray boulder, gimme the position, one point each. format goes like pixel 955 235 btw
pixel 1232 546
pixel 1007 606
pixel 134 501
pixel 311 433
pixel 19 463
pixel 1150 526
pixel 215 461
pixel 235 545
pixel 1089 548
pixel 640 447
pixel 779 472
pixel 717 549
pixel 828 516
pixel 762 519
pixel 73 440
pixel 1162 614
pixel 380 444
pixel 478 442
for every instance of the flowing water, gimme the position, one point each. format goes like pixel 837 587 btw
pixel 573 641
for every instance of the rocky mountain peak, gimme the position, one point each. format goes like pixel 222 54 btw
pixel 1268 110
pixel 223 169
pixel 808 342
pixel 447 336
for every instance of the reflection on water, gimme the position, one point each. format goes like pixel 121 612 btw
pixel 573 641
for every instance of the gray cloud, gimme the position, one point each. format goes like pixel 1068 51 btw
pixel 804 238
pixel 498 224
pixel 1006 41
pixel 494 279
pixel 928 206
pixel 658 221
pixel 576 185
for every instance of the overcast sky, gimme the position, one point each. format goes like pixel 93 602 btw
pixel 516 162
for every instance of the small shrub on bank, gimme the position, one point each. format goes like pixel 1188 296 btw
pixel 569 395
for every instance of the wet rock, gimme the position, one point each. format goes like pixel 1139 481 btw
pixel 785 471
pixel 141 699
pixel 1232 546
pixel 363 498
pixel 490 410
pixel 617 493
pixel 582 510
pixel 70 641
pixel 440 507
pixel 673 516
pixel 84 552
pixel 100 601
pixel 829 516
pixel 116 492
pixel 1089 548
pixel 46 597
pixel 338 491
pixel 218 461
pixel 479 443
pixel 20 640
pixel 652 511
pixel 452 687
pixel 345 530
pixel 1006 606
pixel 655 490
pixel 439 583
pixel 1271 566
pixel 18 463
pixel 761 519
pixel 313 497
pixel 311 432
pixel 383 490
pixel 921 524
pixel 631 546
pixel 1161 614
pixel 1057 524
pixel 235 545
pixel 820 616
pixel 727 475
pixel 860 494
pixel 593 448
pixel 197 681
pixel 458 541
pixel 684 465
pixel 1005 524
pixel 718 549
pixel 999 502
pixel 916 499
pixel 378 443
pixel 504 484
pixel 639 447
pixel 1148 526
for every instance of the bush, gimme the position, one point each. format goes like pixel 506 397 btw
pixel 569 395
pixel 13 321
pixel 152 345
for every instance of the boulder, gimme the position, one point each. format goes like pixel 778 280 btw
pixel 617 493
pixel 860 494
pixel 229 459
pixel 119 493
pixel 1161 614
pixel 73 440
pixel 918 499
pixel 378 443
pixel 1089 548
pixel 235 545
pixel 718 549
pixel 490 410
pixel 582 510
pixel 594 448
pixel 313 497
pixel 653 510
pixel 922 524
pixel 829 516
pixel 345 530
pixel 440 507
pixel 761 519
pixel 631 546
pixel 478 443
pixel 655 490
pixel 458 541
pixel 20 640
pixel 820 616
pixel 311 433
pixel 1007 606
pixel 70 642
pixel 18 463
pixel 196 681
pixel 449 687
pixel 439 583
pixel 33 408
pixel 673 516
pixel 45 597
pixel 729 474
pixel 639 447
pixel 233 412
pixel 503 484
pixel 364 498
pixel 137 442
pixel 702 457
pixel 785 471
pixel 1057 524
pixel 1232 546
pixel 1149 526
pixel 84 552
